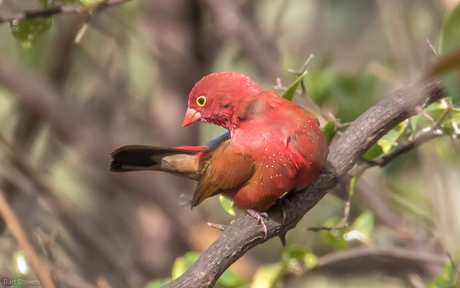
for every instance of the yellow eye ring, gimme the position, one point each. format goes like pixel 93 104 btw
pixel 201 100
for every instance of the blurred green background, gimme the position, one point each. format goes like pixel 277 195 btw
pixel 64 106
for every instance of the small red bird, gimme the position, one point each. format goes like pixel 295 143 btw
pixel 273 145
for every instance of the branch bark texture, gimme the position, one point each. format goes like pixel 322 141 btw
pixel 244 233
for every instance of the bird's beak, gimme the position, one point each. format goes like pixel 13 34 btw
pixel 191 116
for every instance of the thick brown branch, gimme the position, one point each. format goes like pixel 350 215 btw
pixel 244 233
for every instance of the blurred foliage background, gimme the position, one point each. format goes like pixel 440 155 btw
pixel 93 77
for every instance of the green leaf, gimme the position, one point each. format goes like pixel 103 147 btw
pixel 289 93
pixel 310 260
pixel 230 279
pixel 334 238
pixel 329 130
pixel 90 2
pixel 321 83
pixel 450 41
pixel 28 31
pixel 373 152
pixel 353 182
pixel 157 283
pixel 446 279
pixel 293 252
pixel 385 144
pixel 388 141
pixel 227 204
pixel 450 33
pixel 183 263
pixel 364 223
pixel 267 276
pixel 293 257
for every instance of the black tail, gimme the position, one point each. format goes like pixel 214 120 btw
pixel 137 158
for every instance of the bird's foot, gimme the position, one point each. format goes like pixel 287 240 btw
pixel 260 216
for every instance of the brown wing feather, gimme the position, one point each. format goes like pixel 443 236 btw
pixel 226 171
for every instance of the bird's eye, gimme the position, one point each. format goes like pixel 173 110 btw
pixel 201 101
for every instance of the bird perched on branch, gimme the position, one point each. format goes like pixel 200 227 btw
pixel 273 145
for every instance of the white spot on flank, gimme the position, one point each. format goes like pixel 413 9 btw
pixel 266 166
pixel 273 166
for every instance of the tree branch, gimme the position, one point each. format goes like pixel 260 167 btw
pixel 244 233
pixel 63 9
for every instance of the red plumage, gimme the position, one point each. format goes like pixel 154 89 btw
pixel 274 145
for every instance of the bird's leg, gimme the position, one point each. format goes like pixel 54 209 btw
pixel 280 202
pixel 260 216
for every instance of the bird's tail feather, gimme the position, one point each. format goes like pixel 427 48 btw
pixel 180 161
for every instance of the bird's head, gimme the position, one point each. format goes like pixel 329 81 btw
pixel 217 96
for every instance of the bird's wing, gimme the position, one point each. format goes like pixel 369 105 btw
pixel 226 170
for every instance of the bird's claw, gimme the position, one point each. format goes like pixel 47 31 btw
pixel 260 216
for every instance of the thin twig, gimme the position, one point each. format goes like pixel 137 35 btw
pixel 316 229
pixel 383 161
pixel 217 226
pixel 433 49
pixel 63 9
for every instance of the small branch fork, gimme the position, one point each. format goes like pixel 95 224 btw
pixel 244 233
pixel 415 141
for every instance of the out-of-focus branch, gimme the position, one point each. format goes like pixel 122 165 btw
pixel 76 128
pixel 63 212
pixel 63 9
pixel 401 263
pixel 405 254
pixel 244 233
pixel 16 229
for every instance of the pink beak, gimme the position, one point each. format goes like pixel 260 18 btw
pixel 191 116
